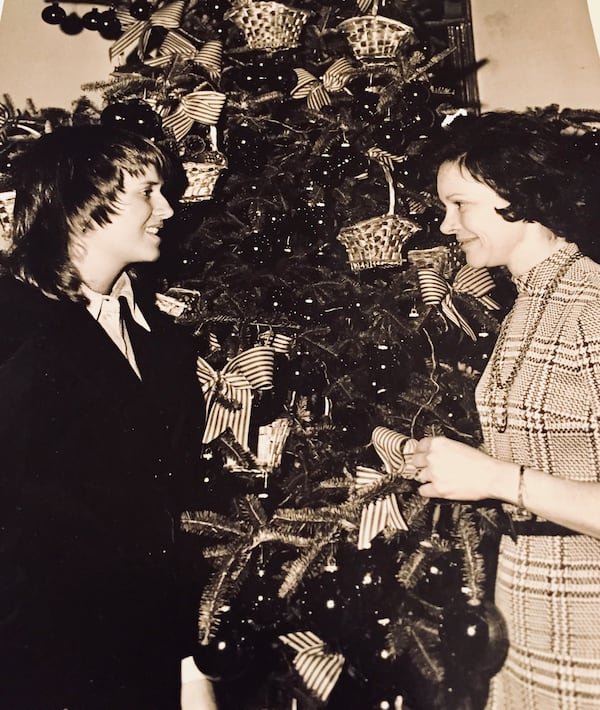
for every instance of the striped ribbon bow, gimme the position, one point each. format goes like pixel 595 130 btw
pixel 210 55
pixel 395 450
pixel 318 667
pixel 476 282
pixel 228 393
pixel 280 342
pixel 368 6
pixel 138 31
pixel 202 106
pixel 315 91
pixel 377 514
pixel 437 291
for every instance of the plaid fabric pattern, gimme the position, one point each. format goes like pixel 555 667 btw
pixel 548 588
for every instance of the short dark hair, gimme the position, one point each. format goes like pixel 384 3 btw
pixel 66 178
pixel 528 160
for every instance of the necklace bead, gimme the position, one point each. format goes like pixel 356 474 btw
pixel 498 394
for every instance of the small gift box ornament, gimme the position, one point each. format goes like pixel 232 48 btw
pixel 375 39
pixel 268 25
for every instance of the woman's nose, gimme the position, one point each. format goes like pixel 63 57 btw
pixel 448 224
pixel 162 206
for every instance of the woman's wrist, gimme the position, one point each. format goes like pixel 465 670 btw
pixel 506 482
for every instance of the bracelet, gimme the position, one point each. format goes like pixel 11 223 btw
pixel 521 510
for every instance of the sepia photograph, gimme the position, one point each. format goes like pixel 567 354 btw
pixel 300 355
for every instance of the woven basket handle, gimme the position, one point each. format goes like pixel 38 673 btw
pixel 386 160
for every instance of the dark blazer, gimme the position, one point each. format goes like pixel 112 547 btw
pixel 95 467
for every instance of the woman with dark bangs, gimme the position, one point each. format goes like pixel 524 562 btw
pixel 516 196
pixel 101 419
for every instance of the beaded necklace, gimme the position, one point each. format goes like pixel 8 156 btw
pixel 498 401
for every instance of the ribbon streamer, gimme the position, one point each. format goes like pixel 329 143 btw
pixel 210 55
pixel 138 31
pixel 318 668
pixel 228 393
pixel 202 106
pixel 377 514
pixel 315 91
pixel 476 282
pixel 436 291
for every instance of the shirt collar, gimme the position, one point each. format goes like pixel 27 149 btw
pixel 123 288
pixel 536 279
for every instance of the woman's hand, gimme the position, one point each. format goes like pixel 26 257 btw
pixel 449 469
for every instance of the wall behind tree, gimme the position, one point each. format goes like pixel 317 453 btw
pixel 538 52
pixel 40 62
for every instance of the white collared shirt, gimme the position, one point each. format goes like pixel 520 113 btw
pixel 106 310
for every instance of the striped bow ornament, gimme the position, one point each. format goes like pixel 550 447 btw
pixel 436 291
pixel 210 55
pixel 368 6
pixel 318 667
pixel 395 450
pixel 138 31
pixel 228 392
pixel 202 106
pixel 382 513
pixel 315 91
pixel 280 342
pixel 377 514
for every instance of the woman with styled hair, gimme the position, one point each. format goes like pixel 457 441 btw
pixel 516 196
pixel 101 419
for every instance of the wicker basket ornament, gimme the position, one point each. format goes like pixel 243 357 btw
pixel 268 25
pixel 376 39
pixel 202 176
pixel 377 241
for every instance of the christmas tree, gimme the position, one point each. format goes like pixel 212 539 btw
pixel 335 326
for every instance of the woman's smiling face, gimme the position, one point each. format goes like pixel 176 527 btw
pixel 486 238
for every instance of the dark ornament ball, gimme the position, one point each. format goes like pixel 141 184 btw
pixel 365 106
pixel 321 604
pixel 389 136
pixel 141 9
pixel 53 14
pixel 418 121
pixel 442 578
pixel 264 75
pixel 229 654
pixel 91 20
pixel 416 92
pixel 72 24
pixel 474 636
pixel 213 9
pixel 135 116
pixel 109 26
pixel 306 375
